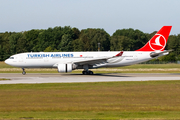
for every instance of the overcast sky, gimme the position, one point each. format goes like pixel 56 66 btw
pixel 145 15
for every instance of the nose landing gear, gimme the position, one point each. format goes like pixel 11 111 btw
pixel 23 71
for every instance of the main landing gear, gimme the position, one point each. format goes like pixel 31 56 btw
pixel 87 72
pixel 23 71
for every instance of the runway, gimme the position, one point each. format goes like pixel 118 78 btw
pixel 31 78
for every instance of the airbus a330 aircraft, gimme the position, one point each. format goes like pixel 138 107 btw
pixel 68 61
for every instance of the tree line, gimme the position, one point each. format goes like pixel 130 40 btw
pixel 59 39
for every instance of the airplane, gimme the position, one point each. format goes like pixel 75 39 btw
pixel 68 61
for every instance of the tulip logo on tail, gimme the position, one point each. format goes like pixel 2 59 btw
pixel 158 42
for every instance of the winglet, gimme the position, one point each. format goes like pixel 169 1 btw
pixel 120 54
pixel 158 41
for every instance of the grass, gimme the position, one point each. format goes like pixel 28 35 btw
pixel 4 79
pixel 108 100
pixel 137 68
pixel 4 65
pixel 90 115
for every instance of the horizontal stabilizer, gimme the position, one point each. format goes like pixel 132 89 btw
pixel 153 54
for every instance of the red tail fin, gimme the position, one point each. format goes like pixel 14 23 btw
pixel 158 41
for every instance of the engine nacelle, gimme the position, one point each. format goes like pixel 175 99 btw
pixel 66 67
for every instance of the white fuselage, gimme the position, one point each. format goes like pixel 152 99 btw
pixel 52 59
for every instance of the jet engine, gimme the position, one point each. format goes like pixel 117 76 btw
pixel 66 67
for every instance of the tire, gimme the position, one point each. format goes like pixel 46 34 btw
pixel 23 72
pixel 91 73
pixel 84 73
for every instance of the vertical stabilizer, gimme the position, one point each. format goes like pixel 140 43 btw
pixel 158 41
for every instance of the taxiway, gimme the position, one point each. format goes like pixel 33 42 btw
pixel 31 78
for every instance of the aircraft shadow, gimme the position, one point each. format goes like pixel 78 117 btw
pixel 99 74
pixel 79 74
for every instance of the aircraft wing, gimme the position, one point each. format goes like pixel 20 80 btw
pixel 154 54
pixel 92 61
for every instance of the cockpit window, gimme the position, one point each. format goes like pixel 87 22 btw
pixel 11 58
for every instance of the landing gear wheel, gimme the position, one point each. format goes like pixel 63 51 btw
pixel 23 72
pixel 87 72
pixel 84 72
pixel 91 73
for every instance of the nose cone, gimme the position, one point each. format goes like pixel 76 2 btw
pixel 7 61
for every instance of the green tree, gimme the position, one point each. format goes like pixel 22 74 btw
pixel 48 49
pixel 66 43
pixel 13 42
pixel 45 39
pixel 136 38
pixel 171 57
pixel 5 46
pixel 91 37
pixel 1 53
pixel 31 37
pixel 121 43
pixel 77 45
pixel 53 37
pixel 21 45
pixel 1 49
pixel 76 33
